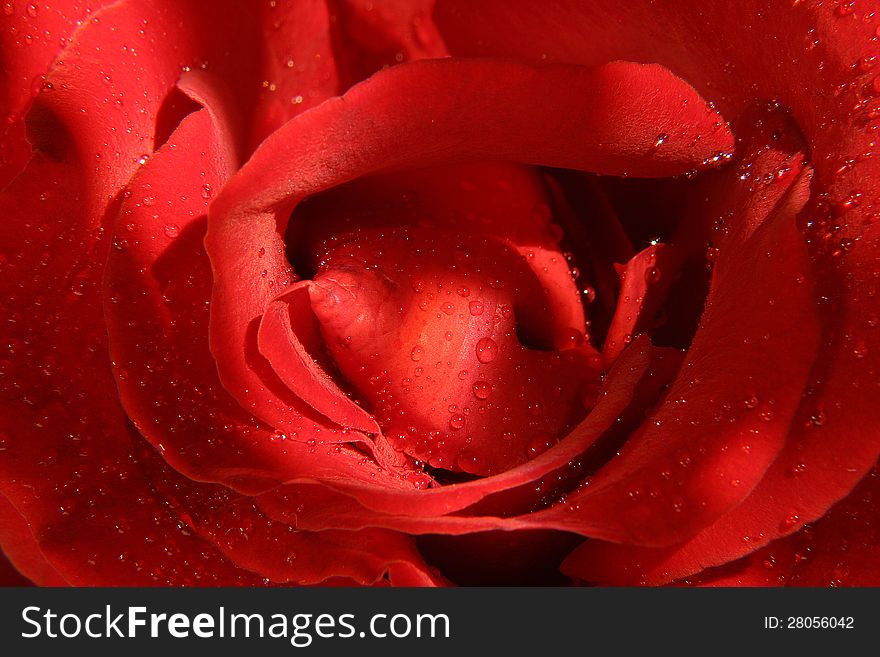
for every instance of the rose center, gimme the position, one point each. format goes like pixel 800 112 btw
pixel 429 328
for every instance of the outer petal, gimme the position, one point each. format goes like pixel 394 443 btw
pixel 840 549
pixel 31 36
pixel 23 551
pixel 281 552
pixel 68 468
pixel 827 79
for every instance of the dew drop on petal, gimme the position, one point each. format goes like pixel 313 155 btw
pixel 539 444
pixel 789 521
pixel 486 350
pixel 569 338
pixel 482 389
pixel 470 461
pixel 456 422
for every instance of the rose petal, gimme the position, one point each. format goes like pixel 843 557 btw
pixel 840 549
pixel 22 549
pixel 504 201
pixel 31 36
pixel 726 208
pixel 454 381
pixel 292 361
pixel 644 284
pixel 633 385
pixel 827 82
pixel 375 36
pixel 728 413
pixel 68 468
pixel 281 552
pixel 157 292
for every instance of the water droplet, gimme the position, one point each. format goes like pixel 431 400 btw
pixel 470 461
pixel 482 389
pixel 207 191
pixel 448 308
pixel 486 350
pixel 277 436
pixel 457 422
pixel 569 338
pixel 149 200
pixel 476 308
pixel 539 444
pixel 867 63
pixel 463 291
pixel 845 8
pixel 417 352
pixel 789 522
pixel 661 139
pixel 32 10
pixel 860 350
pixel 172 230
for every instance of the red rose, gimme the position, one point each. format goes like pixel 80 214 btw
pixel 469 293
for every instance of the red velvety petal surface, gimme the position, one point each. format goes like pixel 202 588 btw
pixel 834 108
pixel 68 467
pixel 839 549
pixel 31 36
pixel 635 383
pixel 247 223
pixel 22 552
pixel 156 295
pixel 768 172
pixel 637 497
pixel 644 284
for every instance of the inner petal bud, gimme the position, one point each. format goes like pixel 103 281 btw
pixel 450 341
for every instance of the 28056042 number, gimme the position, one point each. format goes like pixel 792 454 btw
pixel 820 622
